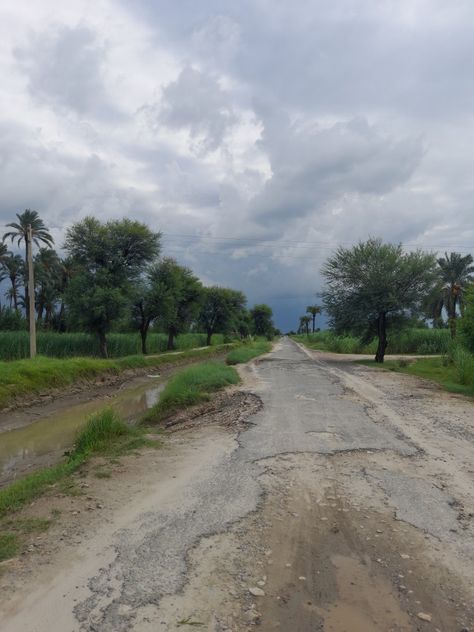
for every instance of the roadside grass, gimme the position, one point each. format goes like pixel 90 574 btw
pixel 189 387
pixel 23 377
pixel 104 433
pixel 439 370
pixel 248 351
pixel 413 341
pixel 9 546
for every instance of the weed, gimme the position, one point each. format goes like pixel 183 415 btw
pixel 189 621
pixel 191 386
pixel 248 351
pixel 9 546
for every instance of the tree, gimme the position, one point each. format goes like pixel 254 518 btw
pixel 466 323
pixel 108 259
pixel 19 234
pixel 313 310
pixel 304 325
pixel 14 268
pixel 47 278
pixel 220 310
pixel 181 293
pixel 373 284
pixel 456 273
pixel 262 320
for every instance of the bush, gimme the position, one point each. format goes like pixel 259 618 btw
pixel 101 429
pixel 464 365
pixel 248 351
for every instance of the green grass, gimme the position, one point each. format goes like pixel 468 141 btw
pixel 190 387
pixel 14 345
pixel 104 433
pixel 248 351
pixel 436 369
pixel 23 377
pixel 413 341
pixel 9 546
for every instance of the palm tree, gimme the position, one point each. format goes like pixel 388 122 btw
pixel 313 310
pixel 47 278
pixel 456 272
pixel 14 269
pixel 39 232
pixel 304 325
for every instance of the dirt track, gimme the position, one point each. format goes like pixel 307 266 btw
pixel 344 504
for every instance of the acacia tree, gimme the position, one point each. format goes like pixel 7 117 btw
pixel 262 320
pixel 108 259
pixel 313 310
pixel 372 284
pixel 220 310
pixel 180 293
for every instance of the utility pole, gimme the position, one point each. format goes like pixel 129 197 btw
pixel 31 291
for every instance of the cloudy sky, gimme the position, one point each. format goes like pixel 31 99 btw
pixel 256 135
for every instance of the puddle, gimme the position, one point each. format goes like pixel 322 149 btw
pixel 365 603
pixel 44 441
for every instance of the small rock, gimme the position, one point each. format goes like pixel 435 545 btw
pixel 424 616
pixel 302 578
pixel 257 592
pixel 261 583
pixel 288 565
pixel 404 556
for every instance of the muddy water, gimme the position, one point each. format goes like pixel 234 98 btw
pixel 45 440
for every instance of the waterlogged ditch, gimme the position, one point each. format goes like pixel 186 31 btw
pixel 44 440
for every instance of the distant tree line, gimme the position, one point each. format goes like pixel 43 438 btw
pixel 114 277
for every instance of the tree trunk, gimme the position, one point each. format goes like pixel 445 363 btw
pixel 209 336
pixel 382 335
pixel 314 322
pixel 15 298
pixel 170 345
pixel 452 317
pixel 143 334
pixel 103 344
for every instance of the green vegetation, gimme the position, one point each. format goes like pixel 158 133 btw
pixel 413 341
pixel 456 376
pixel 23 377
pixel 9 546
pixel 14 345
pixel 104 433
pixel 248 351
pixel 375 286
pixel 191 386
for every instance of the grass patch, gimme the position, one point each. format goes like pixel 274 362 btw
pixel 9 546
pixel 27 526
pixel 435 369
pixel 190 387
pixel 412 341
pixel 104 433
pixel 248 351
pixel 24 377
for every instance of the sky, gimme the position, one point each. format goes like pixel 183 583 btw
pixel 257 135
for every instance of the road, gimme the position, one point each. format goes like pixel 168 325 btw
pixel 342 503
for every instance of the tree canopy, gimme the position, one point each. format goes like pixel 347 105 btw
pixel 372 284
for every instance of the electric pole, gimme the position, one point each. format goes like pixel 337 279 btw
pixel 31 291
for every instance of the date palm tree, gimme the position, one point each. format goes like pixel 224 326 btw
pixel 313 310
pixel 14 270
pixel 39 232
pixel 304 325
pixel 456 272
